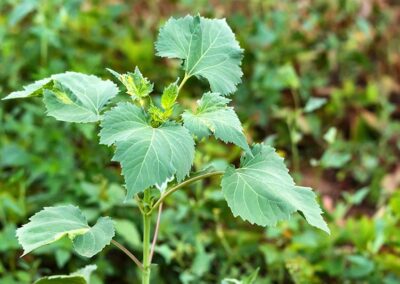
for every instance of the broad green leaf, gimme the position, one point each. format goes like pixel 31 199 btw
pixel 213 116
pixel 122 122
pixel 136 85
pixel 155 156
pixel 148 155
pixel 30 90
pixel 82 276
pixel 261 191
pixel 53 223
pixel 207 46
pixel 71 96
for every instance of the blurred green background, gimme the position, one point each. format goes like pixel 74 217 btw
pixel 321 83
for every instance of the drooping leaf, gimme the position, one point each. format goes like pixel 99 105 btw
pixel 71 96
pixel 261 191
pixel 53 223
pixel 213 116
pixel 148 155
pixel 85 96
pixel 82 276
pixel 136 85
pixel 30 90
pixel 96 238
pixel 207 46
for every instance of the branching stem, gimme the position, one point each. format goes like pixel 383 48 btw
pixel 153 245
pixel 128 253
pixel 182 184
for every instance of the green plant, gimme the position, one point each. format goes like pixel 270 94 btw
pixel 154 142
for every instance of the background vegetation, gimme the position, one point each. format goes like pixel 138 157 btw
pixel 321 84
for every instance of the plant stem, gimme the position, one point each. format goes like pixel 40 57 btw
pixel 146 249
pixel 185 78
pixel 153 245
pixel 182 184
pixel 146 241
pixel 128 253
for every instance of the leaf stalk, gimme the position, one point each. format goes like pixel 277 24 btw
pixel 185 78
pixel 182 184
pixel 128 253
pixel 153 245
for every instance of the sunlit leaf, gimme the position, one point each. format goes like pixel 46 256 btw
pixel 261 191
pixel 53 223
pixel 148 155
pixel 207 46
pixel 71 96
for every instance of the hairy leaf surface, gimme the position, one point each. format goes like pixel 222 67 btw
pixel 261 191
pixel 148 155
pixel 207 46
pixel 213 116
pixel 53 223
